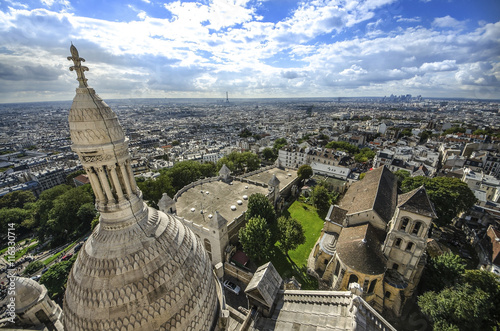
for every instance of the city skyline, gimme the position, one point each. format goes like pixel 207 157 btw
pixel 251 49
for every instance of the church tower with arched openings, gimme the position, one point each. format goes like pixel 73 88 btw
pixel 140 269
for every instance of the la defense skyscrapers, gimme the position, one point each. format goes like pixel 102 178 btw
pixel 140 269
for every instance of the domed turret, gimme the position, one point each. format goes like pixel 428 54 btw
pixel 140 269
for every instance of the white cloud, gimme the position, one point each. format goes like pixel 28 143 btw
pixel 201 50
pixel 448 22
pixel 446 65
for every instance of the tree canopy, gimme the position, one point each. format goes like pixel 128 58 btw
pixel 279 143
pixel 304 172
pixel 290 234
pixel 320 197
pixel 256 239
pixel 364 155
pixel 173 179
pixel 450 196
pixel 344 146
pixel 259 205
pixel 16 199
pixel 443 271
pixel 240 162
pixel 471 304
pixel 269 155
pixel 56 277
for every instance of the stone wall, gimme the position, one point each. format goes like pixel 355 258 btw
pixel 237 273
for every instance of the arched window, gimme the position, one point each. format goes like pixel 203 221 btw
pixel 404 223
pixel 372 286
pixel 416 228
pixel 352 279
pixel 409 246
pixel 397 242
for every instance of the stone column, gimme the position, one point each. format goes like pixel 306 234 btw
pixel 105 184
pixel 133 185
pixel 94 181
pixel 126 180
pixel 116 181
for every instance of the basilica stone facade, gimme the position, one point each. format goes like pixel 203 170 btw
pixel 140 269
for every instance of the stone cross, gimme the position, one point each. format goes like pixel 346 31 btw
pixel 77 60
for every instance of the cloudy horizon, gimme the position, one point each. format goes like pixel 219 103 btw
pixel 251 48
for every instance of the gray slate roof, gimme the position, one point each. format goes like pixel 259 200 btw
pixel 377 191
pixel 417 201
pixel 359 248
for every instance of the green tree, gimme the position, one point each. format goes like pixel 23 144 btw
pixel 13 215
pixel 240 162
pixel 16 199
pixel 56 277
pixel 344 146
pixel 153 189
pixel 406 133
pixel 320 197
pixel 462 307
pixel 450 196
pixel 256 239
pixel 424 135
pixel 269 155
pixel 279 143
pixel 259 205
pixel 304 172
pixel 63 217
pixel 401 175
pixel 443 271
pixel 290 234
pixel 33 267
pixel 364 155
pixel 245 133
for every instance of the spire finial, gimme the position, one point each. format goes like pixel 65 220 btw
pixel 77 61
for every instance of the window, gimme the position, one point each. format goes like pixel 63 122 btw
pixel 395 266
pixel 326 261
pixel 337 268
pixel 372 286
pixel 416 228
pixel 409 246
pixel 387 295
pixel 397 242
pixel 352 279
pixel 404 223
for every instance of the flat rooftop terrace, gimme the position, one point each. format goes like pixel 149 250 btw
pixel 220 196
pixel 285 176
pixel 216 196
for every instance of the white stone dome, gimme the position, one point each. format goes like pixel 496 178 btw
pixel 151 275
pixel 28 293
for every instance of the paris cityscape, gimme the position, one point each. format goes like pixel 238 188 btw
pixel 234 165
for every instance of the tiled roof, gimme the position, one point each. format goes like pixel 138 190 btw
pixel 359 248
pixel 377 191
pixel 417 201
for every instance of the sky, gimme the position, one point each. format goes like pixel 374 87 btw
pixel 251 48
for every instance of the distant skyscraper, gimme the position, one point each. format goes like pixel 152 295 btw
pixel 227 97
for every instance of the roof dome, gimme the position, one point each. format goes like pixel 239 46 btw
pixel 28 293
pixel 151 275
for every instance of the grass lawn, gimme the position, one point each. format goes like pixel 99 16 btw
pixel 312 224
